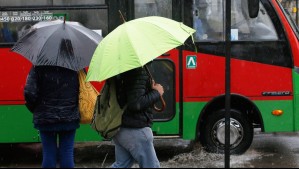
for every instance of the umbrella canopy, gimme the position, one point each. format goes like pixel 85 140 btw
pixel 58 43
pixel 135 43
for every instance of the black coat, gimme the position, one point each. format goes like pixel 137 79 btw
pixel 140 98
pixel 51 94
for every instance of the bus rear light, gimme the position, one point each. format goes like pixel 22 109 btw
pixel 277 112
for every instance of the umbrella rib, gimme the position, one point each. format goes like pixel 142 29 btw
pixel 154 47
pixel 41 49
pixel 38 31
pixel 130 40
pixel 68 50
pixel 91 37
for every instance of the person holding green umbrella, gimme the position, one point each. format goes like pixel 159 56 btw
pixel 125 52
pixel 134 141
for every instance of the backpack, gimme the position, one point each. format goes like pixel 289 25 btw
pixel 108 113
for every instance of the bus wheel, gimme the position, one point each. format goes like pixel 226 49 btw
pixel 212 135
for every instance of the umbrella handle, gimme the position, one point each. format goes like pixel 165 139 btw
pixel 163 105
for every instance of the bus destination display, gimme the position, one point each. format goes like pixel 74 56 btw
pixel 27 16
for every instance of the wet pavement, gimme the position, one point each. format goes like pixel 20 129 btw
pixel 87 155
pixel 276 150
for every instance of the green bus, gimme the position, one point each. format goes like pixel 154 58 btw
pixel 264 71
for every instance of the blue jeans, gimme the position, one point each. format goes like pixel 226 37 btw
pixel 135 145
pixel 62 150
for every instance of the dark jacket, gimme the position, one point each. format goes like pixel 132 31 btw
pixel 140 98
pixel 51 94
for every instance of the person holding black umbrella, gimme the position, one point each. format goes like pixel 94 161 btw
pixel 57 50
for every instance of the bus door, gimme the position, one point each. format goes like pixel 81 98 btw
pixel 16 18
pixel 165 71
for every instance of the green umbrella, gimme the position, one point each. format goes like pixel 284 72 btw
pixel 135 43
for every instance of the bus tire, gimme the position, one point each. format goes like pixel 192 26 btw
pixel 212 134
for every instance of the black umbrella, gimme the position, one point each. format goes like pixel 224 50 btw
pixel 58 43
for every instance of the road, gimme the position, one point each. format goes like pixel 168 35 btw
pixel 276 150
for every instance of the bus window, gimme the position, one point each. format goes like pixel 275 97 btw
pixel 291 21
pixel 50 2
pixel 17 20
pixel 153 8
pixel 1 34
pixel 208 19
pixel 246 28
pixel 5 33
pixel 164 73
pixel 208 22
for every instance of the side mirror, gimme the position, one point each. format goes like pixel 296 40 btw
pixel 253 8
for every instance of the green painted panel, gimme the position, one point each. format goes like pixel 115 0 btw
pixel 191 116
pixel 283 123
pixel 171 127
pixel 16 126
pixel 86 133
pixel 16 122
pixel 296 99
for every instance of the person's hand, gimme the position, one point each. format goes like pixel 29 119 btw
pixel 158 87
